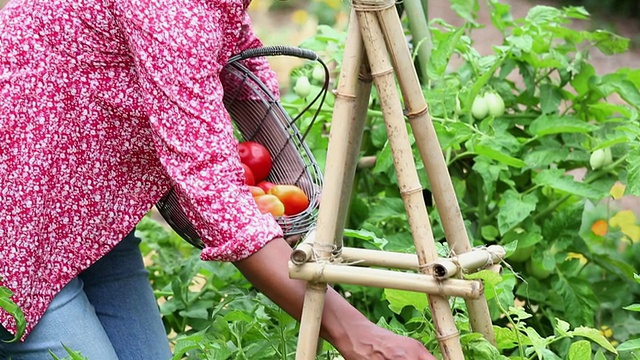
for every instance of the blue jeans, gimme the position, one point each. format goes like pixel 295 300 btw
pixel 108 312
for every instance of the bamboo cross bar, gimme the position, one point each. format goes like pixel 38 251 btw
pixel 469 262
pixel 428 284
pixel 443 268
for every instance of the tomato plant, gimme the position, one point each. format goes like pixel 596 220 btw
pixel 293 197
pixel 256 156
pixel 518 128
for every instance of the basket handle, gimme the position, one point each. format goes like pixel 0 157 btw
pixel 275 50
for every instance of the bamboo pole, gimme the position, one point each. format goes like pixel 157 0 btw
pixel 408 181
pixel 311 317
pixel 382 278
pixel 443 268
pixel 435 165
pixel 347 127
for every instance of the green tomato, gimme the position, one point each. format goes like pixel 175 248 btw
pixel 317 73
pixel 536 269
pixel 495 104
pixel 479 108
pixel 521 254
pixel 302 87
pixel 600 158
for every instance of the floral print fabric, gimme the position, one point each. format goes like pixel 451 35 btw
pixel 105 105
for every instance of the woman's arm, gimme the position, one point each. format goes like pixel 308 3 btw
pixel 343 326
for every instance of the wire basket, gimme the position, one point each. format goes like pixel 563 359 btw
pixel 258 116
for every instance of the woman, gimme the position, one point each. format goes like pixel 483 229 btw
pixel 105 105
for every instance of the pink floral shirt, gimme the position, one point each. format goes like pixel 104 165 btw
pixel 104 105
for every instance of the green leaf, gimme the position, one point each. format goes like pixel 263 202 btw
pixel 542 14
pixel 556 124
pixel 366 235
pixel 544 156
pixel 562 327
pixel 599 356
pixel 466 9
pixel 608 42
pixel 631 345
pixel 514 209
pixel 557 179
pixel 580 81
pixel 633 170
pixel 633 307
pixel 497 155
pixel 489 232
pixel 441 54
pixel 505 338
pixel 14 310
pixel 523 43
pixel 580 350
pixel 195 313
pixel 550 98
pixel 74 355
pixel 595 336
pixel 399 299
pixel 490 278
pixel 538 342
pixel 628 91
pixel 577 299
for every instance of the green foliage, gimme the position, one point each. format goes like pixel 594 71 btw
pixel 9 306
pixel 523 177
pixel 210 310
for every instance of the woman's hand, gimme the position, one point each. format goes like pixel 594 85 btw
pixel 343 326
pixel 368 341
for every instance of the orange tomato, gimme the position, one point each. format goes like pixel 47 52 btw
pixel 268 203
pixel 600 227
pixel 256 191
pixel 293 197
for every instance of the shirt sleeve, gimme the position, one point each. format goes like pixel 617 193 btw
pixel 179 48
pixel 258 65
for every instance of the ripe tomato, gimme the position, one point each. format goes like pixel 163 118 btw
pixel 257 158
pixel 265 185
pixel 249 179
pixel 256 191
pixel 294 199
pixel 270 204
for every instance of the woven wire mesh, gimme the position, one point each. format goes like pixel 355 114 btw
pixel 259 116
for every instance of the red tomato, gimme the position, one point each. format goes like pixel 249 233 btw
pixel 256 191
pixel 265 185
pixel 270 204
pixel 257 158
pixel 249 179
pixel 294 199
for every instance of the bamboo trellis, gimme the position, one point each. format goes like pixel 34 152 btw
pixel 376 51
